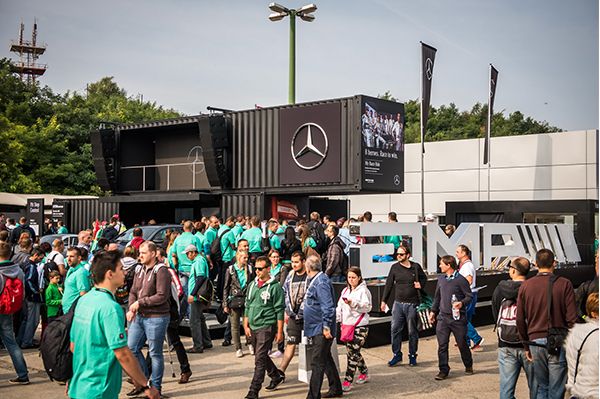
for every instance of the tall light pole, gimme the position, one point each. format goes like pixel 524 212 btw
pixel 305 13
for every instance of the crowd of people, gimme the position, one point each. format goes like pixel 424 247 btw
pixel 273 282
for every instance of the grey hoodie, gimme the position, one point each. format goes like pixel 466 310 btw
pixel 9 270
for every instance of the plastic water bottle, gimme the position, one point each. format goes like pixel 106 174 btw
pixel 455 311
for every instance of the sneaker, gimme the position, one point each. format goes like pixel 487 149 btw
pixel 412 360
pixel 346 386
pixel 469 370
pixel 226 342
pixel 19 380
pixel 239 353
pixel 276 355
pixel 478 346
pixel 251 395
pixel 362 378
pixel 275 382
pixel 441 376
pixel 195 350
pixel 251 349
pixel 395 360
pixel 184 378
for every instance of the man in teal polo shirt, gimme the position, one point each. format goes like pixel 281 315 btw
pixel 199 329
pixel 183 262
pixel 273 237
pixel 227 252
pixel 211 234
pixel 396 240
pixel 77 282
pixel 254 237
pixel 238 229
pixel 98 339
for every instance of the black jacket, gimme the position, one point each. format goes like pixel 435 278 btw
pixel 110 233
pixel 232 287
pixel 16 233
pixel 288 248
pixel 506 289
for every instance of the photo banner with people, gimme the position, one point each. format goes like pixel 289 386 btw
pixel 382 130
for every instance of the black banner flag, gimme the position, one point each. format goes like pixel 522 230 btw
pixel 427 59
pixel 492 94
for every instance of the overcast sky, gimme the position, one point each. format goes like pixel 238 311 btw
pixel 187 54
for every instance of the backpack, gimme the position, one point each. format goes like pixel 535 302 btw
pixel 506 325
pixel 49 266
pixel 11 298
pixel 55 347
pixel 122 294
pixel 215 248
pixel 204 290
pixel 318 234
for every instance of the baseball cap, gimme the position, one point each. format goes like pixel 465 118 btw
pixel 190 248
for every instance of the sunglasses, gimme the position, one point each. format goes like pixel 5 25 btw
pixel 259 268
pixel 401 253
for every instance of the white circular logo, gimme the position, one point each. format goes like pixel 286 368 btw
pixel 309 147
pixel 428 68
pixel 195 160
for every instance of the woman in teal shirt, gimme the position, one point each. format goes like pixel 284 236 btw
pixel 306 240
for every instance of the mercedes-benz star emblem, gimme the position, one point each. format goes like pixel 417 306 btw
pixel 195 160
pixel 428 68
pixel 309 147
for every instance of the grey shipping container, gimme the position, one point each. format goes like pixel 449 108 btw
pixel 83 212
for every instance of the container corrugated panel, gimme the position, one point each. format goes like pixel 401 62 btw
pixel 256 148
pixel 83 212
pixel 245 204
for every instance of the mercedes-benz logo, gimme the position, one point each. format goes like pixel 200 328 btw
pixel 195 160
pixel 309 147
pixel 396 180
pixel 428 68
pixel 492 88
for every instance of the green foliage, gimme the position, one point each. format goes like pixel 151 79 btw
pixel 46 136
pixel 448 123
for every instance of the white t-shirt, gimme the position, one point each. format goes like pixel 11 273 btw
pixel 57 257
pixel 468 269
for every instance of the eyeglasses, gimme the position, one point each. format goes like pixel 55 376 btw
pixel 401 253
pixel 259 268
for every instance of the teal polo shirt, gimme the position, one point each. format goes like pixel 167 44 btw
pixel 199 268
pixel 77 280
pixel 209 236
pixel 274 241
pixel 396 240
pixel 237 230
pixel 227 244
pixel 98 329
pixel 180 244
pixel 254 237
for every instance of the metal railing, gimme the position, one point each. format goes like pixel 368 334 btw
pixel 197 167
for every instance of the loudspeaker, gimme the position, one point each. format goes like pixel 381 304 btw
pixel 104 154
pixel 215 138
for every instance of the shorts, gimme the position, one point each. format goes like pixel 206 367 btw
pixel 294 331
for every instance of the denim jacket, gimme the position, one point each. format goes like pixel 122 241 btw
pixel 319 306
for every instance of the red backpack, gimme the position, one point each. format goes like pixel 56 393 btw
pixel 11 298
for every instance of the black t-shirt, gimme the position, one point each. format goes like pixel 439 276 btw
pixel 401 283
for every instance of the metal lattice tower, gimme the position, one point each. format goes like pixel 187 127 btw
pixel 29 51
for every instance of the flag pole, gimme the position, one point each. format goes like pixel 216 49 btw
pixel 489 134
pixel 422 156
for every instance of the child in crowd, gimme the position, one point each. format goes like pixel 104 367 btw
pixel 54 294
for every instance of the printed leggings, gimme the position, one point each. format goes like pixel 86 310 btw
pixel 355 359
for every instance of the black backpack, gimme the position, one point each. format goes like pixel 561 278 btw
pixel 215 248
pixel 55 347
pixel 49 266
pixel 122 294
pixel 204 290
pixel 318 234
pixel 506 325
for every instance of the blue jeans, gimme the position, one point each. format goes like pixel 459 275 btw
pixel 29 325
pixel 10 343
pixel 154 330
pixel 402 314
pixel 510 362
pixel 472 335
pixel 184 307
pixel 549 371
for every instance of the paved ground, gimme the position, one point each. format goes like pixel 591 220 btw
pixel 219 374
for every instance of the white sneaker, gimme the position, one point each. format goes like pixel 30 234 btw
pixel 251 349
pixel 276 355
pixel 239 353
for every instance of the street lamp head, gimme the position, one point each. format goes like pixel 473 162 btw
pixel 307 9
pixel 278 8
pixel 307 17
pixel 277 16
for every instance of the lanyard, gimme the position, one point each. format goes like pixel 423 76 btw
pixel 105 291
